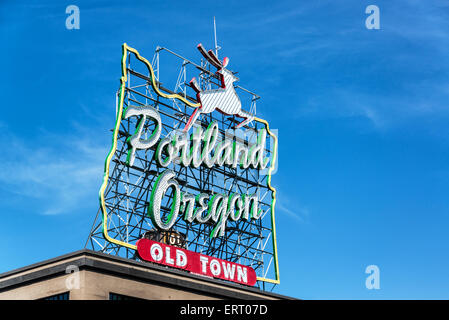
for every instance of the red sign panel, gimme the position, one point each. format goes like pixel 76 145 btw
pixel 195 262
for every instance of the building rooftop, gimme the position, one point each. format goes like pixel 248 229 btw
pixel 101 274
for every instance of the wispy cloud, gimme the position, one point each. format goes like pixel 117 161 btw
pixel 56 173
pixel 292 208
pixel 300 214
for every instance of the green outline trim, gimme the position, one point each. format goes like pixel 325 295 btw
pixel 273 203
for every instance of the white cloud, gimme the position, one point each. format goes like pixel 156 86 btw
pixel 299 214
pixel 291 208
pixel 57 174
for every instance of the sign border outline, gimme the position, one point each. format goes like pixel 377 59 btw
pixel 123 80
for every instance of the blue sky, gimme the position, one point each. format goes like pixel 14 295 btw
pixel 363 120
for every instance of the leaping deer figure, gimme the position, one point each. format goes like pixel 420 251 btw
pixel 224 99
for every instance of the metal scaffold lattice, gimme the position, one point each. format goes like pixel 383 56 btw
pixel 128 190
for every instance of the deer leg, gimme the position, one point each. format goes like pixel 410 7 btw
pixel 192 119
pixel 194 85
pixel 248 117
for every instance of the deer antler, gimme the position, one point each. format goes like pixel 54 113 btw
pixel 212 58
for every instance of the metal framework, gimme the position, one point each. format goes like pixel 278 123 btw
pixel 127 194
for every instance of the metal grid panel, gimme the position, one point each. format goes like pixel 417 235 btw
pixel 127 194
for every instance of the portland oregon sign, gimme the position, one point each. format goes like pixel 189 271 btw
pixel 187 180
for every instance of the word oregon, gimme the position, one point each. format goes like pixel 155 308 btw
pixel 200 148
pixel 201 208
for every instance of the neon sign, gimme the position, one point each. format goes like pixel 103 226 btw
pixel 177 171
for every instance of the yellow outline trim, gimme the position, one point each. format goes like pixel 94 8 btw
pixel 123 79
pixel 273 203
pixel 153 82
pixel 111 153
